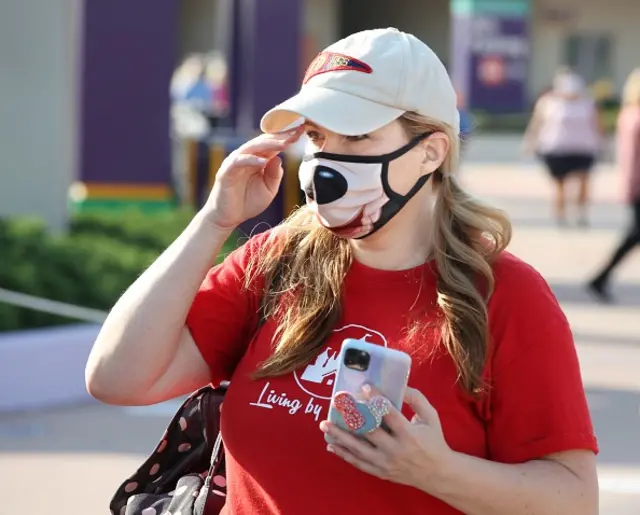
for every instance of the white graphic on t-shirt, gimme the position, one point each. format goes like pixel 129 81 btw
pixel 318 377
pixel 273 399
pixel 323 369
pixel 269 398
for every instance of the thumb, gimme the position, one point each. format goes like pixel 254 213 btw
pixel 423 409
pixel 272 174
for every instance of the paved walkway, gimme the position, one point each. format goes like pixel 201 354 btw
pixel 72 459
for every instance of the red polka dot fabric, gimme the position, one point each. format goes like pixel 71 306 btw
pixel 185 474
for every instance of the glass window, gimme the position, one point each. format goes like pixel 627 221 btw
pixel 590 55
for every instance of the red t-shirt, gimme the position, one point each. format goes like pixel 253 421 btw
pixel 277 462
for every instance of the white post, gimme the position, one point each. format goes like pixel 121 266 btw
pixel 39 42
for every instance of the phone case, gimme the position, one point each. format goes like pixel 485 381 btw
pixel 388 372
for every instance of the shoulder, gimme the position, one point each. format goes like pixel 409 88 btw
pixel 544 106
pixel 522 297
pixel 536 401
pixel 544 101
pixel 254 256
pixel 515 277
pixel 258 240
pixel 523 309
pixel 246 247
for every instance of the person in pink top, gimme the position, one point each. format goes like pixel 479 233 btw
pixel 565 133
pixel 628 143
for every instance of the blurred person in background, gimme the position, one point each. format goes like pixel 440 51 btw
pixel 200 83
pixel 466 122
pixel 628 153
pixel 189 84
pixel 217 77
pixel 565 132
pixel 495 420
pixel 190 99
pixel 199 105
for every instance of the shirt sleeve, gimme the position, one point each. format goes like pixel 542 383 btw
pixel 538 404
pixel 223 315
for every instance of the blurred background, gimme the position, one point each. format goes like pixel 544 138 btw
pixel 114 117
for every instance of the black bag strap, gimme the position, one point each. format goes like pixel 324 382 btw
pixel 217 447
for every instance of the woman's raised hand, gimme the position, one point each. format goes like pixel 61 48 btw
pixel 248 180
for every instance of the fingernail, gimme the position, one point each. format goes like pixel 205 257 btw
pixel 261 160
pixel 366 388
pixel 324 427
pixel 330 449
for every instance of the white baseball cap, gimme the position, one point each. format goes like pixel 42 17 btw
pixel 367 80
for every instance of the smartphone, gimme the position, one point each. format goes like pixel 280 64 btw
pixel 359 363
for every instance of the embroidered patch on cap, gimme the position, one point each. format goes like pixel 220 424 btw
pixel 332 62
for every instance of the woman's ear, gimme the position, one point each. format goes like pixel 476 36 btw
pixel 435 148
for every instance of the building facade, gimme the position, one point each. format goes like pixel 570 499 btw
pixel 84 90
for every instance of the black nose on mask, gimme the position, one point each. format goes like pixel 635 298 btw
pixel 328 185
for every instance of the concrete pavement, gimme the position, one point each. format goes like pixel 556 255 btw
pixel 72 459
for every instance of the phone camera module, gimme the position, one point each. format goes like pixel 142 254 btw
pixel 357 359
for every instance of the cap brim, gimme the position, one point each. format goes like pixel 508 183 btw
pixel 336 111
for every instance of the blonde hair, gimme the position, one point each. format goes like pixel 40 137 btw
pixel 305 265
pixel 631 90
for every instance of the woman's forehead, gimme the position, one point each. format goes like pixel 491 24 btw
pixel 311 125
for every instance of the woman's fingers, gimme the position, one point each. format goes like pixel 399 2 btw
pixel 245 165
pixel 269 145
pixel 355 445
pixel 273 173
pixel 426 413
pixel 266 148
pixel 381 439
pixel 248 161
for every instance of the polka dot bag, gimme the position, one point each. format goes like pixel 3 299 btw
pixel 185 475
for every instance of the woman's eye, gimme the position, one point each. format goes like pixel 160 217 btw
pixel 357 138
pixel 313 135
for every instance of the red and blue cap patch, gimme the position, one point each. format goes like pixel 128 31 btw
pixel 333 62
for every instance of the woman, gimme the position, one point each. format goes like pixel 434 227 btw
pixel 390 250
pixel 564 130
pixel 628 136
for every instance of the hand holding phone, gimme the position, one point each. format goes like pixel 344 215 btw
pixel 360 363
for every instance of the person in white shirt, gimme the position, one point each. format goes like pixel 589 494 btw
pixel 564 131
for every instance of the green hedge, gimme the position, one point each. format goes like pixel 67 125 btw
pixel 91 266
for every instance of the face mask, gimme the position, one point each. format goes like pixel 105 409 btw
pixel 350 194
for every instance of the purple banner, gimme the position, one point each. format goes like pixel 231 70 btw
pixel 491 59
pixel 265 57
pixel 128 60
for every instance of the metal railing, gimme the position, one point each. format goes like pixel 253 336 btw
pixel 53 307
